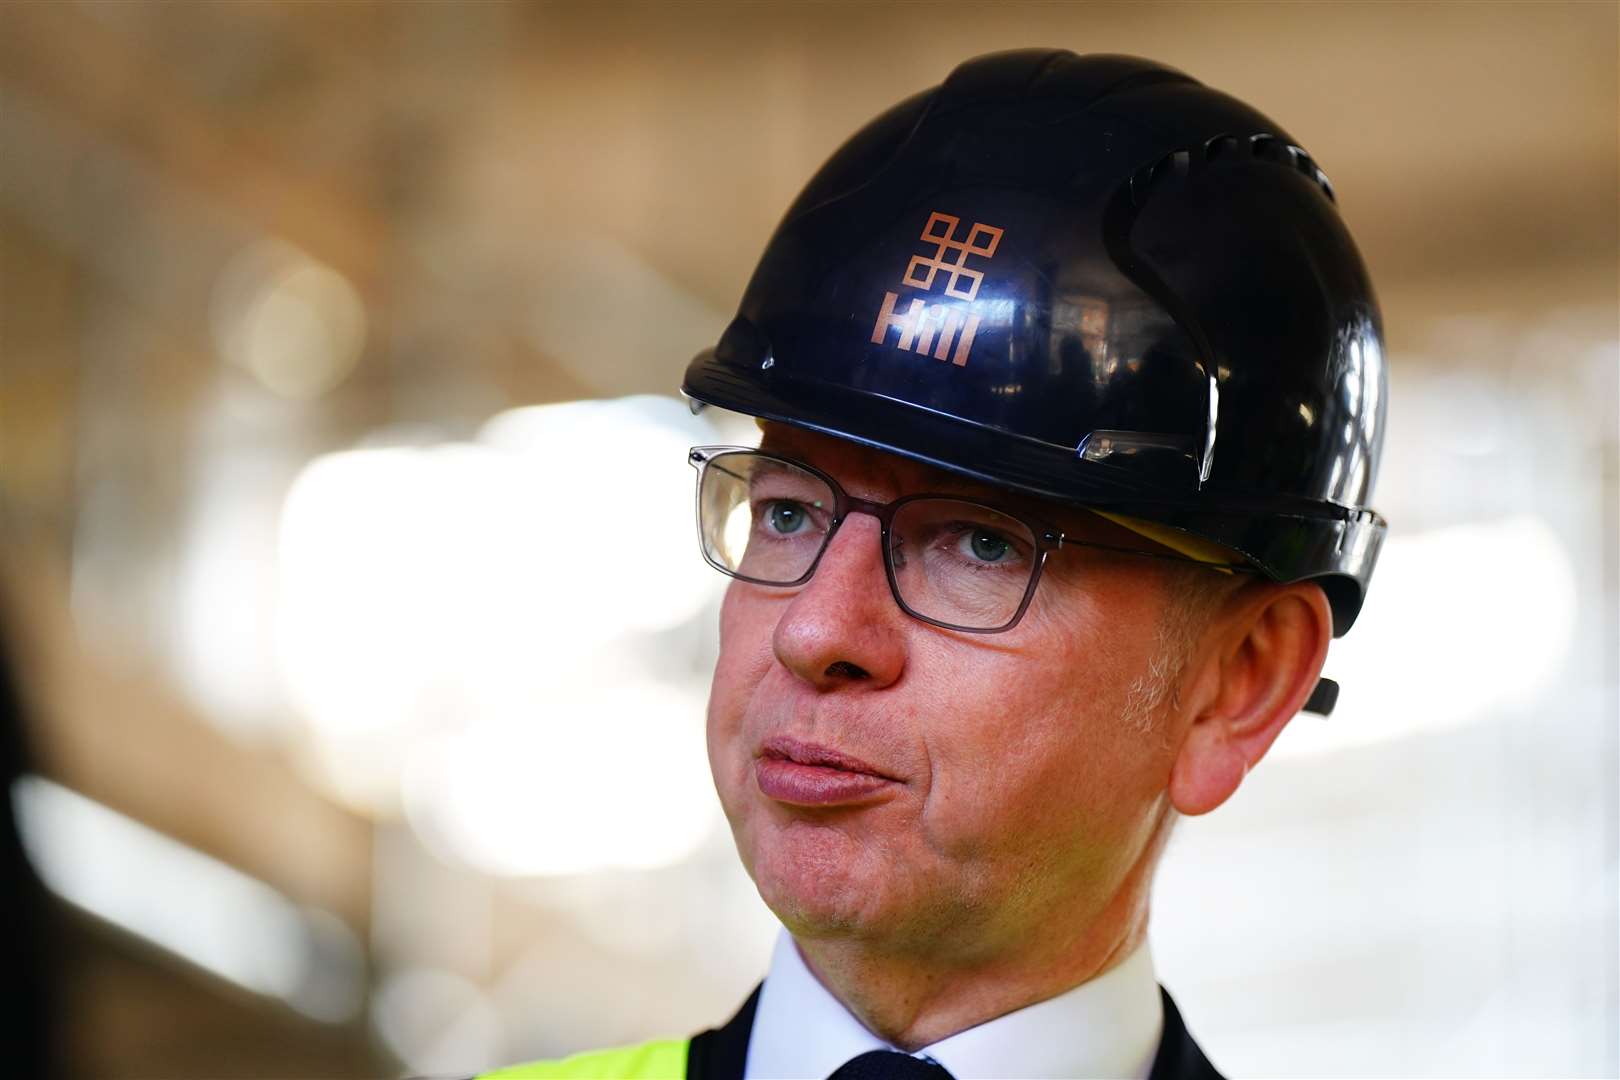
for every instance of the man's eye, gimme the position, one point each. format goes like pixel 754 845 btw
pixel 784 517
pixel 987 546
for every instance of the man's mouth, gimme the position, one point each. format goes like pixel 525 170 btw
pixel 802 773
pixel 799 752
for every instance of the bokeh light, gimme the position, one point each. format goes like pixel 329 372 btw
pixel 467 592
pixel 293 324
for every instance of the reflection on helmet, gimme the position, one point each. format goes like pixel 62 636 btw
pixel 1094 279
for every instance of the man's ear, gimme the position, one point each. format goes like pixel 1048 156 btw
pixel 1263 654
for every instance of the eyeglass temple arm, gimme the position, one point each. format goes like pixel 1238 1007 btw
pixel 1172 556
pixel 1326 693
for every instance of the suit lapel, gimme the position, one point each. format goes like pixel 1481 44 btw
pixel 722 1053
pixel 1179 1058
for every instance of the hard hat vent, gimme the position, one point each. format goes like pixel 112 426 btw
pixel 1227 149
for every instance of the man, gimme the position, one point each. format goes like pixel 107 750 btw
pixel 1071 388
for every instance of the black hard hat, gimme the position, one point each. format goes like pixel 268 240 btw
pixel 1090 278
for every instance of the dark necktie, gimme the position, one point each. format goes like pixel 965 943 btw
pixel 889 1065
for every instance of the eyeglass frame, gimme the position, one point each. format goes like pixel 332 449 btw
pixel 1047 537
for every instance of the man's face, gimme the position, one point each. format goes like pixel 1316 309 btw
pixel 1017 794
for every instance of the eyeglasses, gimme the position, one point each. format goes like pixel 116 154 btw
pixel 952 562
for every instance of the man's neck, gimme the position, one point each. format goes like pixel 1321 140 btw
pixel 913 1003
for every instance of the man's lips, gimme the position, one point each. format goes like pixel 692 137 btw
pixel 786 748
pixel 807 774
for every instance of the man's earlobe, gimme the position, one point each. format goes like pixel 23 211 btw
pixel 1259 676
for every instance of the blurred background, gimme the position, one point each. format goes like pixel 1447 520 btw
pixel 346 529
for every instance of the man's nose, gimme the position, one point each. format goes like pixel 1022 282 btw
pixel 843 629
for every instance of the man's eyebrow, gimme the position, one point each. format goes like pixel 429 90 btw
pixel 939 482
pixel 946 483
pixel 766 467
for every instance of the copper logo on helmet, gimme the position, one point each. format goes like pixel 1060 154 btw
pixel 923 328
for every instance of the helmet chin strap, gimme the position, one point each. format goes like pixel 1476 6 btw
pixel 1323 698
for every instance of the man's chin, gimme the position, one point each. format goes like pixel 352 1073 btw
pixel 817 914
pixel 820 886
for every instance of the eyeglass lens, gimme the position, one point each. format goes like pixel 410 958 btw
pixel 953 561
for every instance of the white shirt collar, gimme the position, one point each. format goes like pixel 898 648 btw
pixel 1108 1027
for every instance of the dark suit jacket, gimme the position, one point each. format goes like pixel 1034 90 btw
pixel 720 1053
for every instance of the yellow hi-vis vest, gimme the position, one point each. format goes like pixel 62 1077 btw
pixel 715 1054
pixel 661 1060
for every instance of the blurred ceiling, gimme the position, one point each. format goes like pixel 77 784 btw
pixel 441 154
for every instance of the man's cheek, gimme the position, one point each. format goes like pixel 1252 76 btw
pixel 744 661
pixel 747 621
pixel 739 618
